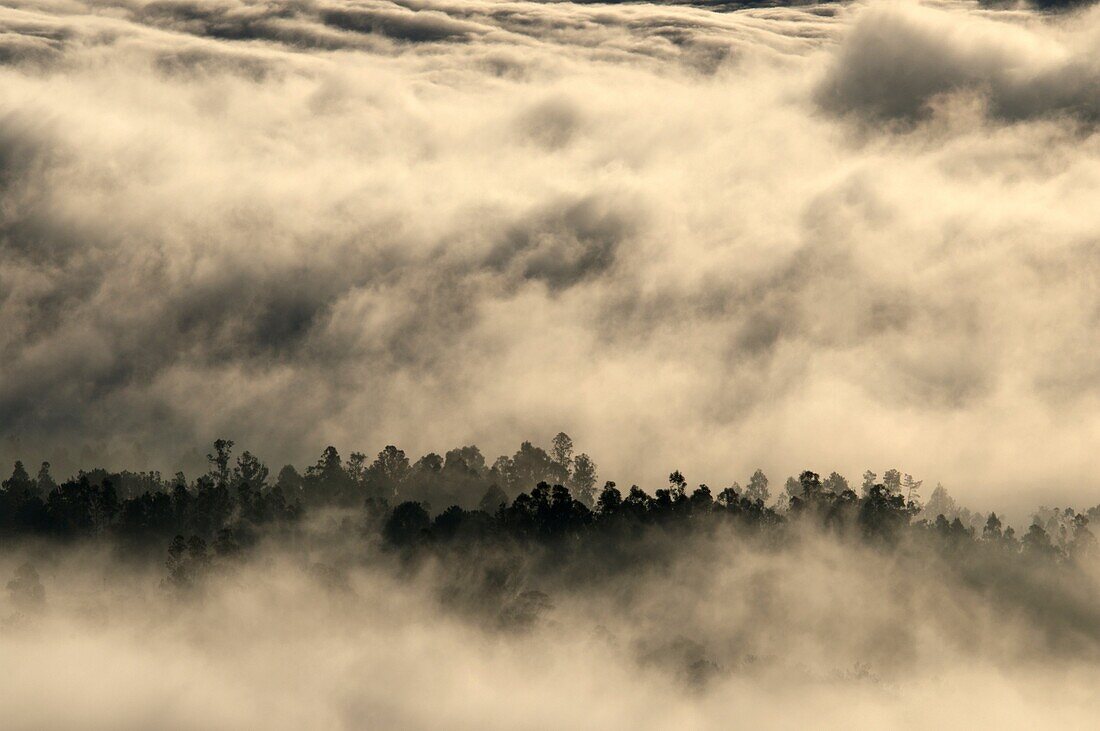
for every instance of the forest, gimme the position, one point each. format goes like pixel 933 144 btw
pixel 537 502
pixel 347 590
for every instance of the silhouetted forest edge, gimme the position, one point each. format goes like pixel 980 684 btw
pixel 534 500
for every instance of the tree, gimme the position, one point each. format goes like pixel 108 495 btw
pixel 529 466
pixel 45 483
pixel 940 503
pixel 792 488
pixel 959 530
pixel 637 503
pixel 942 525
pixel 424 482
pixel 565 514
pixel 328 467
pixel 493 500
pixel 104 506
pixel 677 484
pixel 326 481
pixel 227 542
pixel 992 530
pixel 391 464
pixel 583 479
pixel 357 467
pixel 19 482
pixel 757 488
pixel 911 488
pixel 701 499
pixel 870 479
pixel 408 524
pixel 561 451
pixel 289 482
pixel 465 459
pixel 219 461
pixel 464 478
pixel 882 513
pixel 501 471
pixel 729 497
pixel 810 484
pixel 1037 542
pixel 181 501
pixel 211 507
pixel 892 482
pixel 610 500
pixel 835 483
pixel 387 472
pixel 1084 542
pixel 430 463
pixel 250 471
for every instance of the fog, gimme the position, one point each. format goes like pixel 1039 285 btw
pixel 336 633
pixel 703 237
pixel 847 235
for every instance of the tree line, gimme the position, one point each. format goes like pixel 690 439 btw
pixel 548 497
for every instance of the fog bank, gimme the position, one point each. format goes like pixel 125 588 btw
pixel 840 236
pixel 334 634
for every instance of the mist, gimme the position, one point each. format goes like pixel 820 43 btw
pixel 346 596
pixel 736 240
pixel 338 634
pixel 841 235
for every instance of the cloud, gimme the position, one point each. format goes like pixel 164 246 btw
pixel 400 23
pixel 898 59
pixel 334 634
pixel 565 244
pixel 826 236
pixel 551 123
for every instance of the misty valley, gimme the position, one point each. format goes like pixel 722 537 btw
pixel 815 287
pixel 347 595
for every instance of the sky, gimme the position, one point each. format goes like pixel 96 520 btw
pixel 842 236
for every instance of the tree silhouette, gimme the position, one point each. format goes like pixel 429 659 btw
pixel 407 525
pixel 219 461
pixel 583 480
pixel 835 483
pixel 1037 542
pixel 610 501
pixel 757 489
pixel 561 451
pixel 45 483
pixel 992 530
pixel 387 472
pixel 870 479
pixel 493 500
pixel 453 503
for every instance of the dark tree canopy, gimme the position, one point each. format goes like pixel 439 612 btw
pixel 453 501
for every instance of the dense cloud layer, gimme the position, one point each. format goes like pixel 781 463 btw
pixel 837 236
pixel 894 64
pixel 331 634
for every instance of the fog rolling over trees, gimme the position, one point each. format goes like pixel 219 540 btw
pixel 343 593
pixel 549 365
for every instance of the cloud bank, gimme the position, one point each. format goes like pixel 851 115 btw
pixel 330 633
pixel 836 236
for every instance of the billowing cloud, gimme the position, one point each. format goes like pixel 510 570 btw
pixel 838 236
pixel 897 60
pixel 662 631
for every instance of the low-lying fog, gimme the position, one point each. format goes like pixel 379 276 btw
pixel 335 633
pixel 695 237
